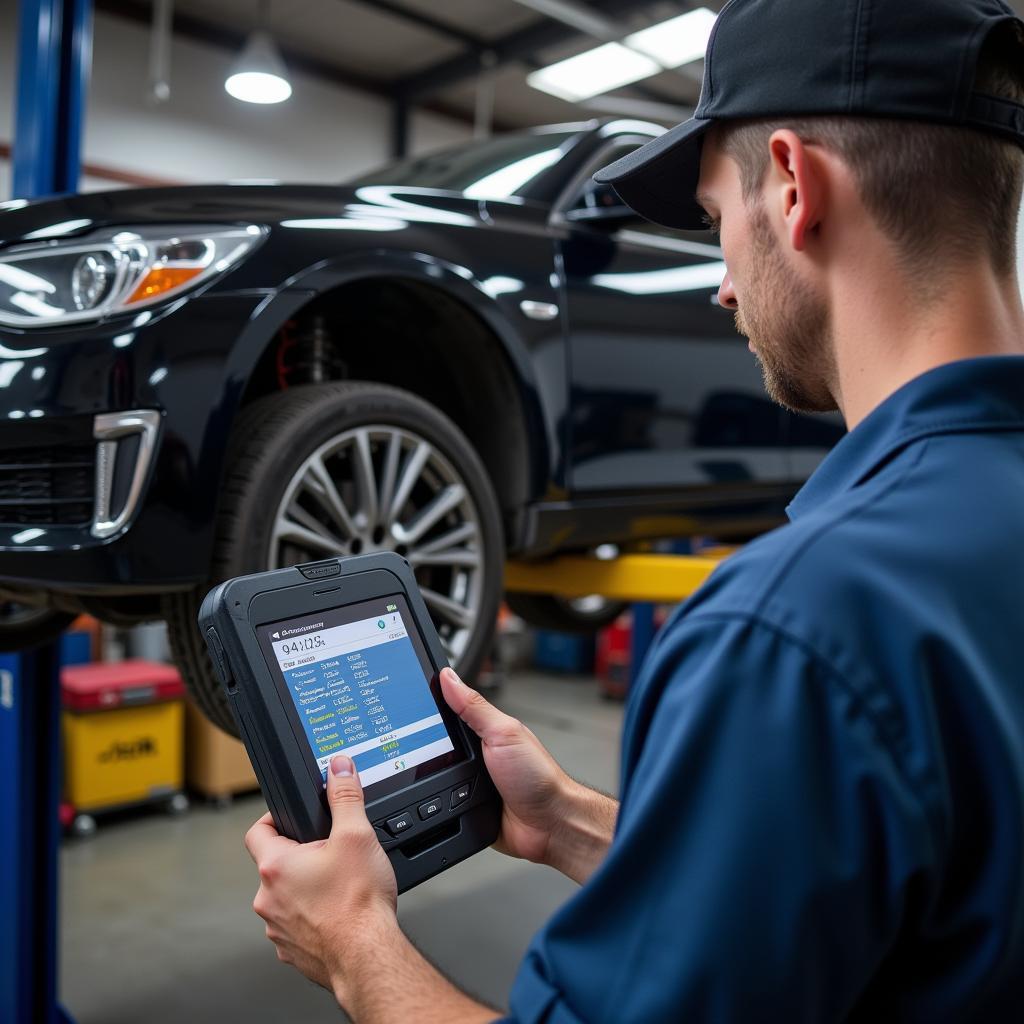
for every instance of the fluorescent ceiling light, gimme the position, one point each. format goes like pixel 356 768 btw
pixel 259 74
pixel 669 44
pixel 678 40
pixel 588 74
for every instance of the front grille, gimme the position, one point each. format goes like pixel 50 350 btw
pixel 47 485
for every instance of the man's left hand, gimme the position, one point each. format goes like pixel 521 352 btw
pixel 316 898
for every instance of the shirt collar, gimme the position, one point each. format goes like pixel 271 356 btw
pixel 969 395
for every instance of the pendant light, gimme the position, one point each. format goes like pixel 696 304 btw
pixel 259 74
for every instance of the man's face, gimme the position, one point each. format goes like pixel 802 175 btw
pixel 786 320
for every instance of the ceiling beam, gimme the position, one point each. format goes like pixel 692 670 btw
pixel 576 15
pixel 425 21
pixel 199 30
pixel 520 45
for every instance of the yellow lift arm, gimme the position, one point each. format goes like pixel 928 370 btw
pixel 661 579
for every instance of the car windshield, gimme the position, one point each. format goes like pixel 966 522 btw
pixel 493 169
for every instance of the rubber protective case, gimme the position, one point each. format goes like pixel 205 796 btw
pixel 228 619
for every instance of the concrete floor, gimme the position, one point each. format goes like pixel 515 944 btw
pixel 156 917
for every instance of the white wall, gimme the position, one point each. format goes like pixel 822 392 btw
pixel 323 133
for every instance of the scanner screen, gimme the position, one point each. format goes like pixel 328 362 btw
pixel 361 685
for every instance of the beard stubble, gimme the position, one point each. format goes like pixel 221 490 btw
pixel 788 326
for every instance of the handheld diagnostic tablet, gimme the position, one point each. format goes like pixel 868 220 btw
pixel 341 656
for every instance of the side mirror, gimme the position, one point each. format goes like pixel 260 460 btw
pixel 600 204
pixel 613 216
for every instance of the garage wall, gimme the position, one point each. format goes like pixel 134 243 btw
pixel 324 133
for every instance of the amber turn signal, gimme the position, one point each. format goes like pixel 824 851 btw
pixel 161 279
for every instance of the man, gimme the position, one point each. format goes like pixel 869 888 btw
pixel 822 813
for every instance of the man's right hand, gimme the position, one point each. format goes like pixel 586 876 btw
pixel 548 817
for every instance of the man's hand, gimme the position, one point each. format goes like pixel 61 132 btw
pixel 548 817
pixel 315 897
pixel 330 911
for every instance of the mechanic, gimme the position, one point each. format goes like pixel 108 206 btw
pixel 822 798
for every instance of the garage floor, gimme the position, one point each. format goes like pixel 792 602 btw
pixel 157 924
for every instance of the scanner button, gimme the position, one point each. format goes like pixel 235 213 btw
pixel 460 794
pixel 399 823
pixel 216 649
pixel 430 808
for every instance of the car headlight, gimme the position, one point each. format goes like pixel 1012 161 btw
pixel 120 270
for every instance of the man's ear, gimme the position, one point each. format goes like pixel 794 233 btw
pixel 795 182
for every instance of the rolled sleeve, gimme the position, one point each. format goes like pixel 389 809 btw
pixel 766 850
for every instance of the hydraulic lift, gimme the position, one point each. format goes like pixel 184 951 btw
pixel 54 58
pixel 648 578
pixel 643 579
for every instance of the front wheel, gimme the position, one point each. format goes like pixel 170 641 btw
pixel 343 469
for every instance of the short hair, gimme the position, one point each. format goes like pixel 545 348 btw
pixel 932 188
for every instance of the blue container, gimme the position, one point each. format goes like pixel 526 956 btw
pixel 564 652
pixel 75 648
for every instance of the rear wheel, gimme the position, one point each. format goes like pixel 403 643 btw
pixel 24 626
pixel 344 469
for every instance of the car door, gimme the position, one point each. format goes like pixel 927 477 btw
pixel 664 394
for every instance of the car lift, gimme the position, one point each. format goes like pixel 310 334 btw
pixel 54 58
pixel 641 579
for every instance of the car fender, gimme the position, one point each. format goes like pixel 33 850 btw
pixel 298 291
pixel 457 281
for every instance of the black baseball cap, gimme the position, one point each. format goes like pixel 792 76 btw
pixel 902 59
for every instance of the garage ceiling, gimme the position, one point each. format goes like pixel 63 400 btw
pixel 430 54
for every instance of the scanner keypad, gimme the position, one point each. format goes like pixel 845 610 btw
pixel 414 818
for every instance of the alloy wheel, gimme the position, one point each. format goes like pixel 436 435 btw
pixel 385 488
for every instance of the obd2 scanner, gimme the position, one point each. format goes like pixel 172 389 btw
pixel 340 656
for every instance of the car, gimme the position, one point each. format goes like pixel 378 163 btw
pixel 465 357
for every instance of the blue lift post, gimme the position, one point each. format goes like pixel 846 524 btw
pixel 30 784
pixel 54 60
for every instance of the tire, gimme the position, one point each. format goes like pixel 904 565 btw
pixel 275 511
pixel 562 614
pixel 23 627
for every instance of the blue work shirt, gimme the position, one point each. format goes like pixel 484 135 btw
pixel 822 790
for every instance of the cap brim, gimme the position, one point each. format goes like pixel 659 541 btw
pixel 659 179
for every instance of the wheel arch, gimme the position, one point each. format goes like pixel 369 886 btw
pixel 415 322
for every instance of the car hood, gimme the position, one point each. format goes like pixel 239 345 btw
pixel 365 207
